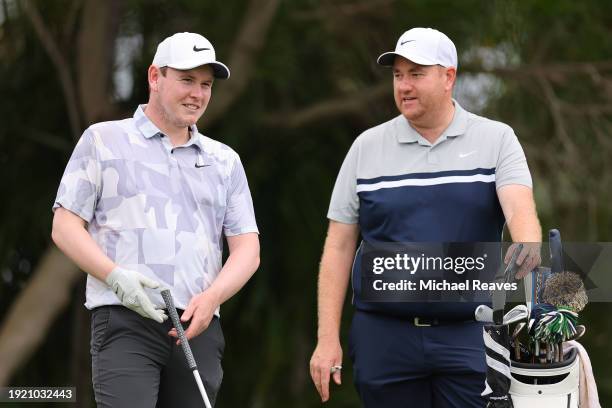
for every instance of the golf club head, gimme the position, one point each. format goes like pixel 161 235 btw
pixel 483 313
pixel 516 314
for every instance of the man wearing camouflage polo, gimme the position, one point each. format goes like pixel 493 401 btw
pixel 144 204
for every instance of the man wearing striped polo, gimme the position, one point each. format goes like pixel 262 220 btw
pixel 435 173
pixel 144 204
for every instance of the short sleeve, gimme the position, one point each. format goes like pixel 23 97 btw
pixel 81 183
pixel 511 164
pixel 344 205
pixel 239 214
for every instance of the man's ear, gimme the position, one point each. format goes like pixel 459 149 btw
pixel 153 77
pixel 451 77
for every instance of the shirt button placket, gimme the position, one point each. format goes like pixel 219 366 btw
pixel 172 156
pixel 432 157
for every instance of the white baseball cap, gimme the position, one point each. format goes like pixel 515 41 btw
pixel 424 46
pixel 186 51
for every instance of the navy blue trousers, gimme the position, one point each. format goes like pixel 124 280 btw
pixel 397 365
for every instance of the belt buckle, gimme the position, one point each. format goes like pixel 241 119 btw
pixel 417 323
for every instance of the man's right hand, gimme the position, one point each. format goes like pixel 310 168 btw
pixel 328 354
pixel 129 288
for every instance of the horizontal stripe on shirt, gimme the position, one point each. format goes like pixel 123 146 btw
pixel 484 178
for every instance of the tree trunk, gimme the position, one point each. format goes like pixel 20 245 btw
pixel 48 291
pixel 30 316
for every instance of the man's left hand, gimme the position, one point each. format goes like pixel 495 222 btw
pixel 528 259
pixel 200 311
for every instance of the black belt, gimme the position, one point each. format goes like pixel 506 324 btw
pixel 429 321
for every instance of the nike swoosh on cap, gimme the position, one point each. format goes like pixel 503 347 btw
pixel 407 41
pixel 196 49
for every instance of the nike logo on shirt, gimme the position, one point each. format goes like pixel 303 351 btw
pixel 464 155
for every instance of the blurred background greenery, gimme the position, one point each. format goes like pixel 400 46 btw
pixel 304 85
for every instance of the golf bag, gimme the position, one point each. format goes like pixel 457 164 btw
pixel 554 385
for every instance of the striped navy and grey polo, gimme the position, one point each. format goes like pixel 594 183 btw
pixel 401 188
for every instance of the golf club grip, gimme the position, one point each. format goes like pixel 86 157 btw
pixel 179 328
pixel 499 296
pixel 556 251
pixel 512 265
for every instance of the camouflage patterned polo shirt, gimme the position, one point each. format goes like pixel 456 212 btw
pixel 154 208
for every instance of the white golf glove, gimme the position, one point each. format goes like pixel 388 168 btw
pixel 129 288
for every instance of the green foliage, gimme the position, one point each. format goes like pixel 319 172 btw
pixel 315 52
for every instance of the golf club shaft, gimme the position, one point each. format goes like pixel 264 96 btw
pixel 499 296
pixel 517 350
pixel 198 379
pixel 184 344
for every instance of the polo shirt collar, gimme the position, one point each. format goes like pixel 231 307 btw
pixel 407 134
pixel 148 128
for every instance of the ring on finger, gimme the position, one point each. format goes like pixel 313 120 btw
pixel 335 368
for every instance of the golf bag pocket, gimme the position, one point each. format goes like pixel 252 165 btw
pixel 554 385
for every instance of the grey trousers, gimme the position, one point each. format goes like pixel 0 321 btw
pixel 136 364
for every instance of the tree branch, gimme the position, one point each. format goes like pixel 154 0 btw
pixel 30 316
pixel 546 70
pixel 48 290
pixel 60 64
pixel 72 18
pixel 353 103
pixel 48 140
pixel 585 109
pixel 332 10
pixel 555 108
pixel 249 42
pixel 99 26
